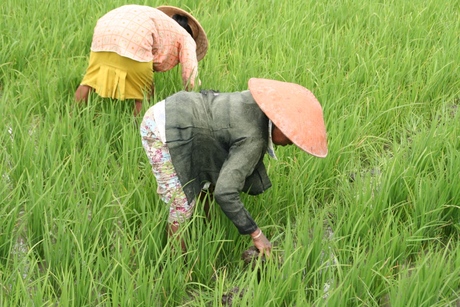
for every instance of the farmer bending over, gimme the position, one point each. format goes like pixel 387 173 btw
pixel 193 140
pixel 133 41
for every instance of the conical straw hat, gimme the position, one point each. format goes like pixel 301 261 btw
pixel 295 111
pixel 199 35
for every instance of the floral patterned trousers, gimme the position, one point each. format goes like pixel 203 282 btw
pixel 169 187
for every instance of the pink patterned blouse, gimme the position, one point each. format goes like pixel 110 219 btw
pixel 145 34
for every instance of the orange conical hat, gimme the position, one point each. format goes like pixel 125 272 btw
pixel 295 111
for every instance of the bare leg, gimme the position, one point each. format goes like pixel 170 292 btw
pixel 172 233
pixel 138 102
pixel 82 93
pixel 137 107
pixel 205 197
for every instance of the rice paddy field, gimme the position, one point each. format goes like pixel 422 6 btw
pixel 375 223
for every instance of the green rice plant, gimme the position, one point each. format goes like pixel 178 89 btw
pixel 431 281
pixel 376 223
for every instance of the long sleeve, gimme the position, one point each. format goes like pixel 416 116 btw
pixel 189 64
pixel 240 164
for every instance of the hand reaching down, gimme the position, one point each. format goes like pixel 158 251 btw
pixel 261 242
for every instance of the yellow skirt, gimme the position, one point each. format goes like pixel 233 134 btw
pixel 117 77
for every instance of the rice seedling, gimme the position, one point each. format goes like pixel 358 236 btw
pixel 376 223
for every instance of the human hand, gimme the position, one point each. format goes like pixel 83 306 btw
pixel 261 242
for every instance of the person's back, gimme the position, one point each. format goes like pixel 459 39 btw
pixel 130 31
pixel 203 129
pixel 214 113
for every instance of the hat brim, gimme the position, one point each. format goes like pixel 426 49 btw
pixel 295 111
pixel 199 34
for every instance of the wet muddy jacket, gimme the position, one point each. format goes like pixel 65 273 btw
pixel 219 138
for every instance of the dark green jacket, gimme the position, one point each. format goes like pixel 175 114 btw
pixel 220 138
